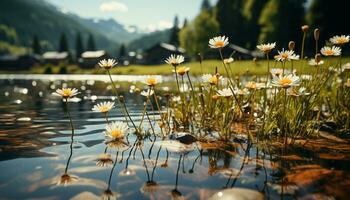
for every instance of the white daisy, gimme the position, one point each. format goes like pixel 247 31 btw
pixel 152 80
pixel 254 86
pixel 182 70
pixel 300 92
pixel 211 79
pixel 175 60
pixel 346 67
pixel 67 92
pixel 285 81
pixel 313 62
pixel 331 51
pixel 107 64
pixel 103 107
pixel 218 42
pixel 241 92
pixel 228 60
pixel 340 39
pixel 226 92
pixel 116 130
pixel 147 93
pixel 266 48
pixel 286 55
pixel 276 71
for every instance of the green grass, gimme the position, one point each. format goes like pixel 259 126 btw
pixel 208 66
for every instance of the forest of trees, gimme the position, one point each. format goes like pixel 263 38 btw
pixel 248 22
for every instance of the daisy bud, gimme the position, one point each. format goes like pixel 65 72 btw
pixel 121 98
pixel 316 34
pixel 318 58
pixel 291 45
pixel 305 28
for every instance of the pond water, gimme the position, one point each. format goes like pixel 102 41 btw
pixel 36 149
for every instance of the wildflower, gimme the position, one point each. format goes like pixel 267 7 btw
pixel 67 179
pixel 276 71
pixel 107 64
pixel 300 92
pixel 286 55
pixel 241 92
pixel 116 130
pixel 346 67
pixel 147 93
pixel 331 51
pixel 317 34
pixel 103 107
pixel 253 85
pixel 67 92
pixel 226 92
pixel 266 48
pixel 314 62
pixel 215 97
pixel 285 81
pixel 211 79
pixel 305 28
pixel 152 81
pixel 339 40
pixel 182 70
pixel 218 42
pixel 175 60
pixel 347 84
pixel 104 160
pixel 291 45
pixel 228 60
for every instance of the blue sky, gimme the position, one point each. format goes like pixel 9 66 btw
pixel 146 14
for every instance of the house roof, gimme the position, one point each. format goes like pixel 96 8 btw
pixel 93 54
pixel 171 47
pixel 55 55
pixel 245 51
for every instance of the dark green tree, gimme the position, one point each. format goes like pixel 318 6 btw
pixel 281 21
pixel 122 51
pixel 174 35
pixel 63 45
pixel 195 36
pixel 79 48
pixel 185 23
pixel 206 5
pixel 230 17
pixel 91 43
pixel 328 16
pixel 251 12
pixel 36 45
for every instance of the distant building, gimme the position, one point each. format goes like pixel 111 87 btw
pixel 22 62
pixel 54 57
pixel 90 59
pixel 157 53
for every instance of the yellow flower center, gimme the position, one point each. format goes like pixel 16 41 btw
pixel 284 55
pixel 251 85
pixel 67 92
pixel 117 133
pixel 341 40
pixel 213 80
pixel 329 52
pixel 219 43
pixel 181 71
pixel 151 81
pixel 103 109
pixel 285 82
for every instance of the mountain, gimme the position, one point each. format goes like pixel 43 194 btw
pixel 149 40
pixel 109 28
pixel 22 19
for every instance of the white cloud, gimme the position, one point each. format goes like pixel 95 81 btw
pixel 113 6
